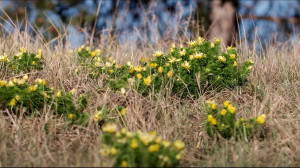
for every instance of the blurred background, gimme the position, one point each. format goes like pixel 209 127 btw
pixel 249 21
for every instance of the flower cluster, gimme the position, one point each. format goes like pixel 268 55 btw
pixel 200 65
pixel 18 93
pixel 23 61
pixel 139 149
pixel 224 121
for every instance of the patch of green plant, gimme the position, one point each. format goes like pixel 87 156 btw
pixel 223 122
pixel 187 70
pixel 22 62
pixel 139 149
pixel 19 94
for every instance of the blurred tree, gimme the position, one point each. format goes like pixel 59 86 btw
pixel 223 16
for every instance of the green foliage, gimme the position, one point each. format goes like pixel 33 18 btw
pixel 139 149
pixel 185 70
pixel 19 94
pixel 22 62
pixel 224 122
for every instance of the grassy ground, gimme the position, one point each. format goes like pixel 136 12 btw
pixel 45 140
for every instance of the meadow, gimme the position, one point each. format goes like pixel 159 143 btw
pixel 108 104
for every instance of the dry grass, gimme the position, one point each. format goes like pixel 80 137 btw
pixel 44 140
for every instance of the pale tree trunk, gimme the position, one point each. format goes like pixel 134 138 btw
pixel 223 16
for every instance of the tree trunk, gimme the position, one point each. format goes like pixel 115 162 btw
pixel 223 16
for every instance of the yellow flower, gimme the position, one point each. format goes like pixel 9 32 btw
pixel 33 88
pixel 235 64
pixel 171 49
pixel 192 43
pixel 182 53
pixel 222 126
pixel 213 106
pixel 10 84
pixel 113 151
pixel 73 91
pixel 214 121
pixel 71 116
pixel 199 55
pixel 226 103
pixel 261 119
pixel 23 50
pixel 33 62
pixel 110 128
pixel 191 57
pixel 79 50
pixel 39 56
pixel 25 77
pixel 105 151
pixel 131 70
pixel 98 51
pixel 178 144
pixel 153 148
pixel 186 65
pixel 158 140
pixel 12 102
pixel 41 81
pixel 167 64
pixel 212 45
pixel 87 48
pixel 93 54
pixel 152 133
pixel 3 83
pixel 217 40
pixel 173 45
pixel 153 65
pixel 178 156
pixel 17 97
pixel 134 144
pixel 123 131
pixel 232 56
pixel 172 60
pixel 97 64
pixel 98 116
pixel 111 71
pixel 123 91
pixel 221 58
pixel 160 69
pixel 138 68
pixel 169 74
pixel 249 68
pixel 139 76
pixel 200 40
pixel 223 112
pixel 146 138
pixel 158 54
pixel 58 94
pixel 147 81
pixel 231 109
pixel 143 60
pixel 124 163
pixel 210 118
pixel 108 64
pixel 230 48
pixel 123 111
pixel 45 94
pixel 166 143
pixel 250 61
